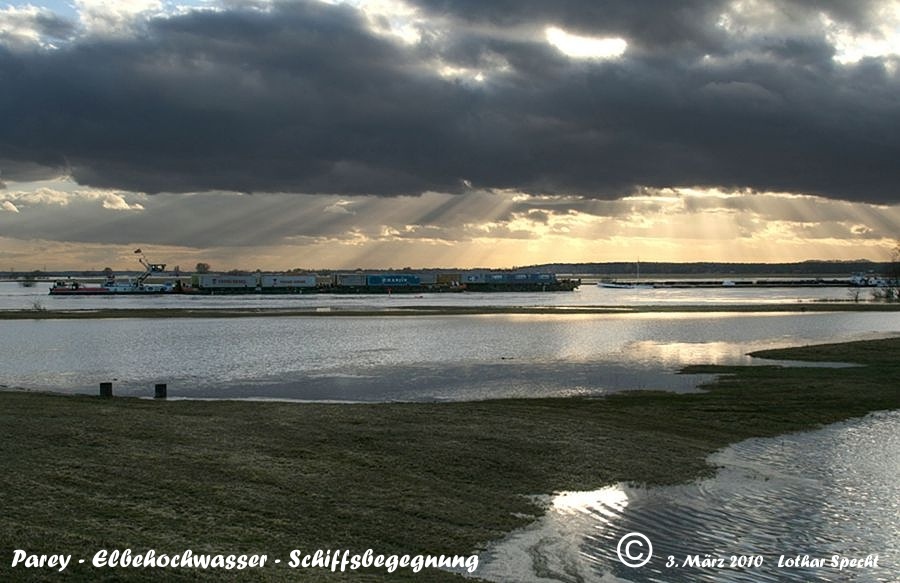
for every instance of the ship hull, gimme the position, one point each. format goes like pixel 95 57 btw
pixel 106 292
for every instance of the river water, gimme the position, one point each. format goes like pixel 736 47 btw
pixel 14 296
pixel 822 493
pixel 407 358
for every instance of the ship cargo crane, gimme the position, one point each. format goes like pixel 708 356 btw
pixel 149 268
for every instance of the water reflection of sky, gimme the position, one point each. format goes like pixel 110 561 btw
pixel 404 358
pixel 15 297
pixel 832 491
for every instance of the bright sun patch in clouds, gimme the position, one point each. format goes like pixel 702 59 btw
pixel 884 40
pixel 852 43
pixel 115 17
pixel 585 47
pixel 109 200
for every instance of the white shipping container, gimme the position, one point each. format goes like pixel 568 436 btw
pixel 289 281
pixel 427 278
pixel 227 281
pixel 351 279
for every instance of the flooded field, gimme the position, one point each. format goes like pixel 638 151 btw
pixel 404 358
pixel 819 494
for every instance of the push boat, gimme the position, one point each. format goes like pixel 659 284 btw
pixel 112 286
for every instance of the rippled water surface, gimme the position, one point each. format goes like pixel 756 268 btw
pixel 403 358
pixel 829 492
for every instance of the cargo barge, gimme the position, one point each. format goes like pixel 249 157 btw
pixel 358 282
pixel 381 283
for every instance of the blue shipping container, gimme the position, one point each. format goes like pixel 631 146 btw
pixel 392 280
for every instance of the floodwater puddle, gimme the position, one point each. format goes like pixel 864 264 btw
pixel 788 500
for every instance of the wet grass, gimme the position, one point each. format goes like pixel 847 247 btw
pixel 83 473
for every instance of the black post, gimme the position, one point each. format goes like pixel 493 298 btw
pixel 106 390
pixel 160 391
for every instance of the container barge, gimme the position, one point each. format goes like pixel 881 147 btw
pixel 357 282
pixel 382 283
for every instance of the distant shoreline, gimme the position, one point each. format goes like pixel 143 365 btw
pixel 107 313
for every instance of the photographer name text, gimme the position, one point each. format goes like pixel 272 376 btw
pixel 332 560
pixel 839 562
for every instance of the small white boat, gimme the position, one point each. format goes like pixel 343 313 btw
pixel 627 285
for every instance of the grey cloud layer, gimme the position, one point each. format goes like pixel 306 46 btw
pixel 307 98
pixel 18 25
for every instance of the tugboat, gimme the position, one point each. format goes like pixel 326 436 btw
pixel 114 287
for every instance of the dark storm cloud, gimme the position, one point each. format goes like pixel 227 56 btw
pixel 306 98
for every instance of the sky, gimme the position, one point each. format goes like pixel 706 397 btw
pixel 447 133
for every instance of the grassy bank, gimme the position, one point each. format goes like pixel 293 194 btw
pixel 81 474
